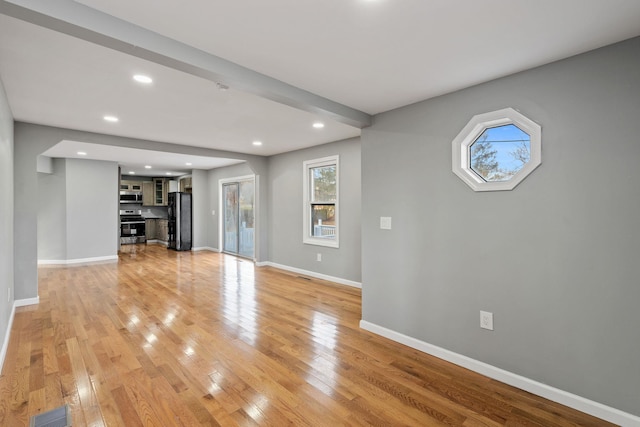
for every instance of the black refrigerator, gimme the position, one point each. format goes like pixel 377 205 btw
pixel 179 210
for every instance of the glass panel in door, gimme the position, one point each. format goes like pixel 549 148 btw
pixel 239 230
pixel 230 194
pixel 246 219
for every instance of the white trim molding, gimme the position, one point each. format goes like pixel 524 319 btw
pixel 111 258
pixel 158 242
pixel 7 336
pixel 205 248
pixel 27 301
pixel 311 274
pixel 560 396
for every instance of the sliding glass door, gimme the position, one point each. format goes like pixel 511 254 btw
pixel 238 221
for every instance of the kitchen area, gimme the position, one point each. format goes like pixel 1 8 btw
pixel 156 210
pixel 89 210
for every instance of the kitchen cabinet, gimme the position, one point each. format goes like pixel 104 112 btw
pixel 162 230
pixel 151 228
pixel 185 184
pixel 157 229
pixel 160 191
pixel 148 193
pixel 154 192
pixel 130 186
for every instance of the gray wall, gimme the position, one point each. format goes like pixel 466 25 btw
pixel 26 151
pixel 52 212
pixel 200 207
pixel 555 260
pixel 77 216
pixel 92 205
pixel 285 212
pixel 6 214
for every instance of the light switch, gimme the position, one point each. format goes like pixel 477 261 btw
pixel 385 223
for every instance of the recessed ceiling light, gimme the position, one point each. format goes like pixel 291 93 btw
pixel 168 173
pixel 112 119
pixel 140 78
pixel 147 167
pixel 188 164
pixel 132 173
pixel 81 153
pixel 257 143
pixel 318 125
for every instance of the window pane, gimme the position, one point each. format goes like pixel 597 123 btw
pixel 323 184
pixel 500 152
pixel 321 210
pixel 246 203
pixel 323 221
pixel 230 217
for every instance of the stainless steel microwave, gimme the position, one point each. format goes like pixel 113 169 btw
pixel 131 197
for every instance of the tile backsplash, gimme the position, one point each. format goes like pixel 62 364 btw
pixel 147 211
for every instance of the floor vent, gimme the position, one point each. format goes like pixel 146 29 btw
pixel 59 417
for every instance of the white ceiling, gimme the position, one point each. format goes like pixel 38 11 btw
pixel 134 161
pixel 298 61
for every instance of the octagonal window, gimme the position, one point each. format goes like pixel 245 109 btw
pixel 500 152
pixel 497 150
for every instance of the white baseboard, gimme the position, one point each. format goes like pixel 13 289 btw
pixel 77 260
pixel 310 274
pixel 7 335
pixel 159 242
pixel 560 396
pixel 27 301
pixel 205 248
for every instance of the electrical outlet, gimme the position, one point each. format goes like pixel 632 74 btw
pixel 319 257
pixel 385 223
pixel 486 320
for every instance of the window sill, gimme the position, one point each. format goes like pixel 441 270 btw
pixel 321 242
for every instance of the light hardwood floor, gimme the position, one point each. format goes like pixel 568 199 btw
pixel 166 338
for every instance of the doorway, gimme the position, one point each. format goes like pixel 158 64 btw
pixel 238 221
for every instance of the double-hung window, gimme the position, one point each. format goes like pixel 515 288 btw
pixel 321 202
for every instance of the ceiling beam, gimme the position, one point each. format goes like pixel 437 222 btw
pixel 85 23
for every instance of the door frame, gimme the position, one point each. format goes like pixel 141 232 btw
pixel 221 182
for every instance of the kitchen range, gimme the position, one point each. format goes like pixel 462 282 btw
pixel 132 227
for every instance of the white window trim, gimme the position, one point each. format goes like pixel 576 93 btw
pixel 475 128
pixel 306 202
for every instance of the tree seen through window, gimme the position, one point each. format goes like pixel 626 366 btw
pixel 500 152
